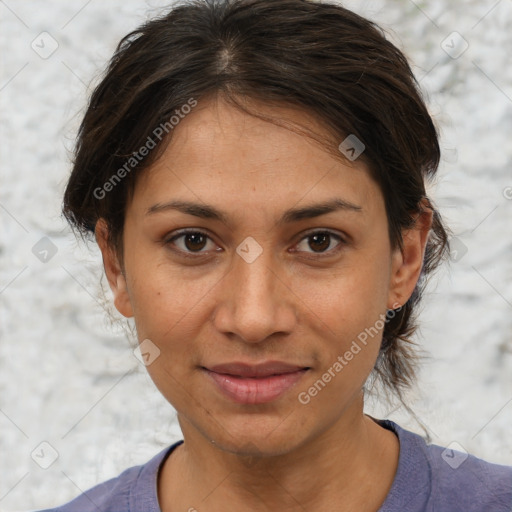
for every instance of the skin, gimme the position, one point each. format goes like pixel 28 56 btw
pixel 289 304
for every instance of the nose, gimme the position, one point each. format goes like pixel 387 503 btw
pixel 256 300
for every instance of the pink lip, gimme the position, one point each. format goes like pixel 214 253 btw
pixel 256 384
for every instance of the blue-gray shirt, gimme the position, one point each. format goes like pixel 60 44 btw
pixel 429 478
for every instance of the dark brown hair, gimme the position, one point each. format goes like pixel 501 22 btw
pixel 316 56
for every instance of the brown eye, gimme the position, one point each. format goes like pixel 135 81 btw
pixel 320 241
pixel 192 241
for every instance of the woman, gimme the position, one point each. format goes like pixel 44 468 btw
pixel 254 174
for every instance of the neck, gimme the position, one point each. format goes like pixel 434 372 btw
pixel 350 466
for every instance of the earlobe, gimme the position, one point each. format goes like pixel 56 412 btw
pixel 115 274
pixel 407 264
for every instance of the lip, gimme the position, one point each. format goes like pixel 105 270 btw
pixel 265 369
pixel 255 384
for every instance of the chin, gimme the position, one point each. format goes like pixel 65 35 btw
pixel 253 435
pixel 256 446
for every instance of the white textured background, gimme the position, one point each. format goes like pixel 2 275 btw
pixel 69 378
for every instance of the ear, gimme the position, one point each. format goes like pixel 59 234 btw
pixel 406 265
pixel 113 270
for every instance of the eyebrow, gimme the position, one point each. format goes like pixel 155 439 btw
pixel 206 211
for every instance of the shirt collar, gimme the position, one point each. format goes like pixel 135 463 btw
pixel 411 486
pixel 410 489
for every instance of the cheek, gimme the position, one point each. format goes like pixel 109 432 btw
pixel 349 298
pixel 172 302
pixel 164 303
pixel 168 312
pixel 349 320
pixel 348 311
pixel 171 308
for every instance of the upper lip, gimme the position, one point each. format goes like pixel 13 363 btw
pixel 256 370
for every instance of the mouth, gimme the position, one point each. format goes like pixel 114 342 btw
pixel 255 384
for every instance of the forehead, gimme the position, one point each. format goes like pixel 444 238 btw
pixel 220 152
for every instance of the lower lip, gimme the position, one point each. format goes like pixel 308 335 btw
pixel 245 390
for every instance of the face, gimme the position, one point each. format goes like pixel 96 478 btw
pixel 258 284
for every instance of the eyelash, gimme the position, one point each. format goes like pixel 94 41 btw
pixel 330 252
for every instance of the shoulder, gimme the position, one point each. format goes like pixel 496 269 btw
pixel 133 490
pixel 462 481
pixel 450 479
pixel 103 497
